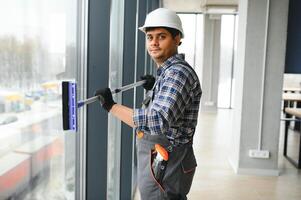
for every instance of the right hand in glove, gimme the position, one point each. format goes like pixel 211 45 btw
pixel 150 81
pixel 105 98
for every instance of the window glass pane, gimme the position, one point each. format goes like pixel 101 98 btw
pixel 188 42
pixel 115 81
pixel 234 52
pixel 199 46
pixel 37 51
pixel 192 43
pixel 226 61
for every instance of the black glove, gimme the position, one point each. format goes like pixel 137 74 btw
pixel 105 98
pixel 150 81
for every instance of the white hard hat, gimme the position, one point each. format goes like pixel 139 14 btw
pixel 163 17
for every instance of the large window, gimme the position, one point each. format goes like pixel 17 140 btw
pixel 37 51
pixel 227 52
pixel 192 43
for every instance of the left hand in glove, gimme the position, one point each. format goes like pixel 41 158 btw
pixel 150 81
pixel 105 98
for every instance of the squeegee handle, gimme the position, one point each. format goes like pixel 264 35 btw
pixel 117 90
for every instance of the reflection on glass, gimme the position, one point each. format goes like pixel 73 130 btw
pixel 37 51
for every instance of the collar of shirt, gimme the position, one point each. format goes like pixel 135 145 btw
pixel 171 60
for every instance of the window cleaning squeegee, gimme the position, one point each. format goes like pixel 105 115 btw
pixel 69 104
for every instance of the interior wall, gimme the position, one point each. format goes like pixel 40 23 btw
pixel 257 122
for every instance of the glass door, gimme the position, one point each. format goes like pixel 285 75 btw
pixel 38 49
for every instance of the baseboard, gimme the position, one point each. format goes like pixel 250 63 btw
pixel 210 109
pixel 234 167
pixel 258 172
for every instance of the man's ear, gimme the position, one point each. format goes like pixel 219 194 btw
pixel 178 40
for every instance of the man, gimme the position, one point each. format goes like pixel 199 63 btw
pixel 169 113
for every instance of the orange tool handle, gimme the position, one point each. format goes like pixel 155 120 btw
pixel 162 151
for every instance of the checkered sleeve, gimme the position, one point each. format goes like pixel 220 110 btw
pixel 168 104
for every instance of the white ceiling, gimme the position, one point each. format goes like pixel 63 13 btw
pixel 196 5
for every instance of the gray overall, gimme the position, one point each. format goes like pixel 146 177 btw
pixel 179 172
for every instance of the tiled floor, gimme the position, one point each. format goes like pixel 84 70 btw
pixel 216 180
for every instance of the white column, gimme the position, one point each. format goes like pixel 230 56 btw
pixel 211 58
pixel 258 77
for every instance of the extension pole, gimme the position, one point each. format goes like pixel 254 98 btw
pixel 117 90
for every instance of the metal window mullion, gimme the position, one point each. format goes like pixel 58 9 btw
pixel 82 41
pixel 114 125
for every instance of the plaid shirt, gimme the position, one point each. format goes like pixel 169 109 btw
pixel 175 105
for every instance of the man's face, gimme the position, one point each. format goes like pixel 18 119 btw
pixel 161 45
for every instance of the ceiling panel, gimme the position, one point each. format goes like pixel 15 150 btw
pixel 196 5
